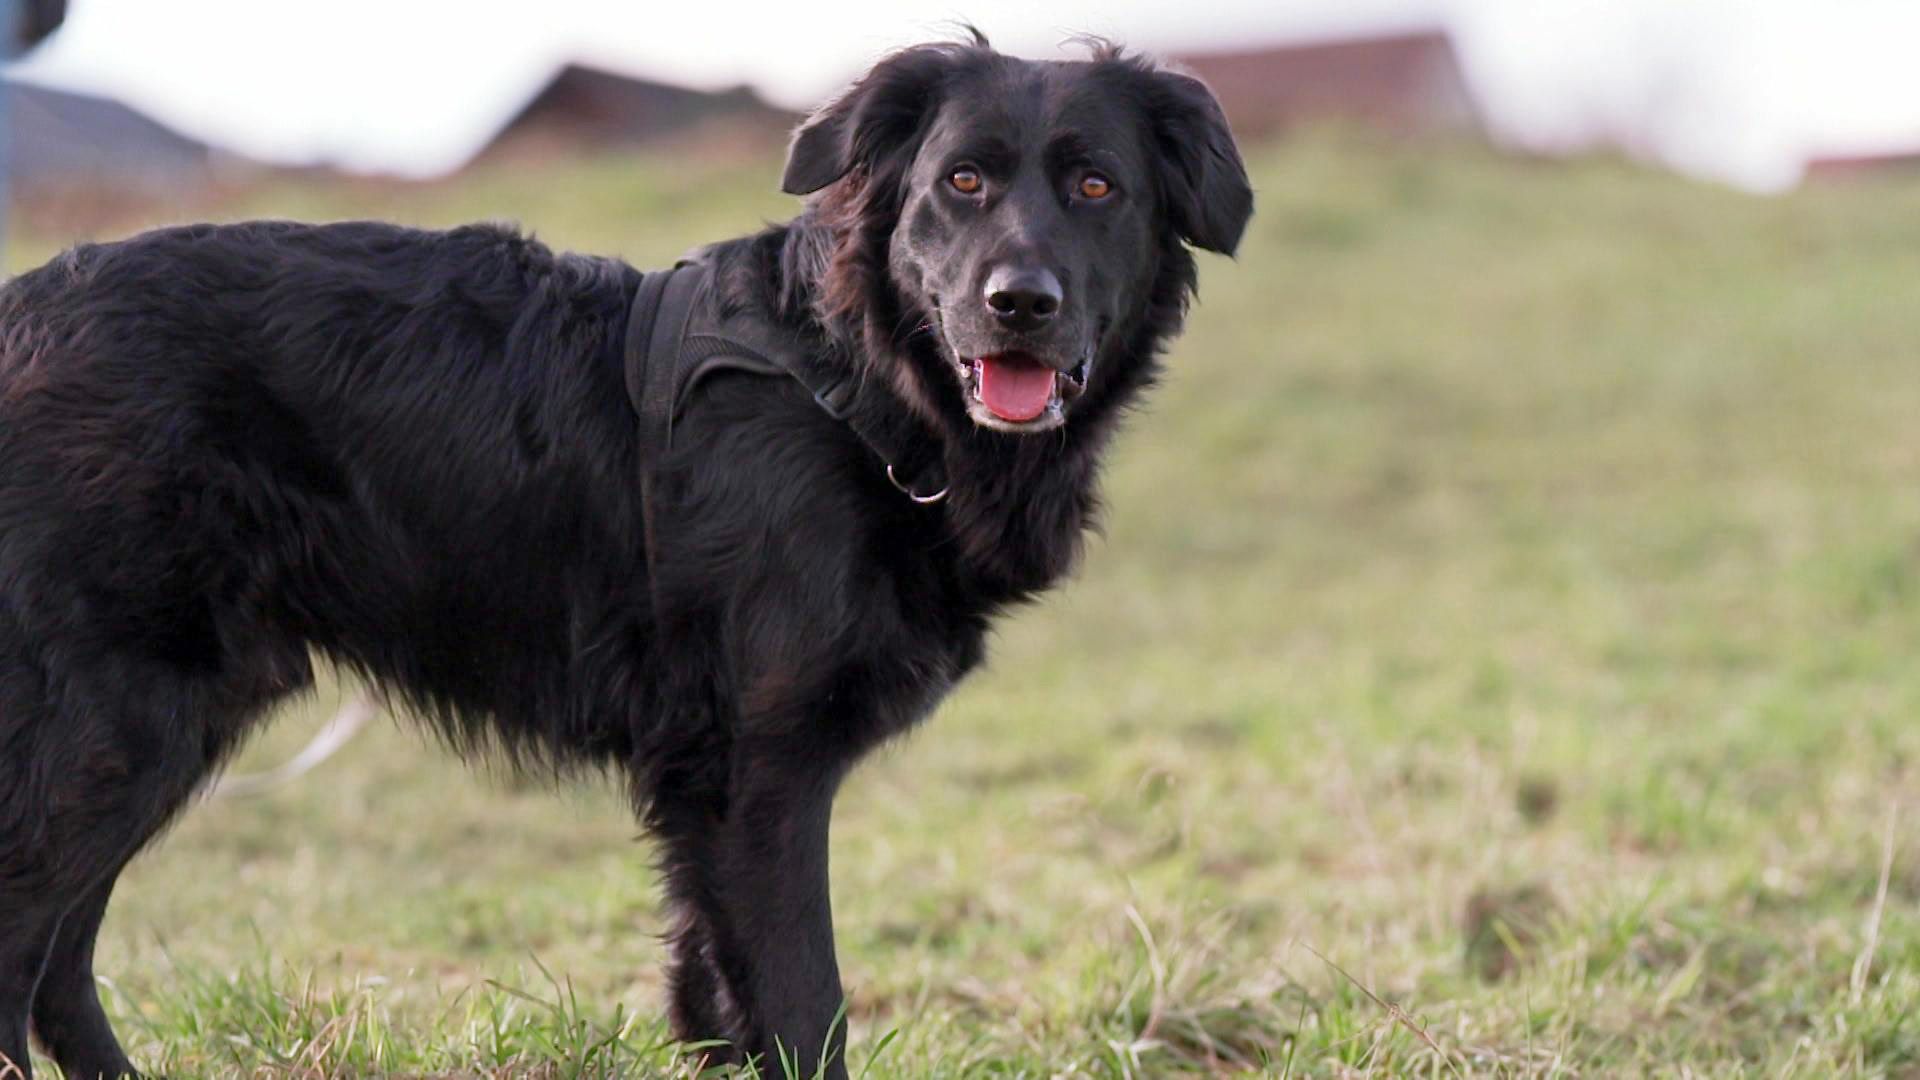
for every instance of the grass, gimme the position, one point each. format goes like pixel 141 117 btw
pixel 1503 659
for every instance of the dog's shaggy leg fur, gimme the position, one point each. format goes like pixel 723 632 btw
pixel 753 953
pixel 67 1018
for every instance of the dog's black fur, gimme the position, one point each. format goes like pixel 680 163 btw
pixel 223 448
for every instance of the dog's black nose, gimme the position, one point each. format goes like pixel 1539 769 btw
pixel 1023 299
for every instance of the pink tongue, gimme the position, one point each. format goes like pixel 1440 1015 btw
pixel 1015 388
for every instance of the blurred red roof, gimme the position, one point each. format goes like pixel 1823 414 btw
pixel 1841 166
pixel 1410 83
pixel 583 109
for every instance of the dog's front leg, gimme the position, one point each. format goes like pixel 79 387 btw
pixel 751 883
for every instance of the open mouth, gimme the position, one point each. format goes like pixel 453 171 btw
pixel 1015 391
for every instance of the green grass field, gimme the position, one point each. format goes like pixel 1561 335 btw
pixel 1503 659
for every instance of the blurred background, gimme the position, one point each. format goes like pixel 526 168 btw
pixel 1756 93
pixel 1509 606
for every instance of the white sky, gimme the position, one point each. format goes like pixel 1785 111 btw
pixel 1740 90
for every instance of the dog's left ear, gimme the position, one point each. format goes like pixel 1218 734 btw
pixel 881 113
pixel 1204 180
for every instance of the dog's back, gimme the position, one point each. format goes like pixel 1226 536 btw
pixel 221 444
pixel 221 447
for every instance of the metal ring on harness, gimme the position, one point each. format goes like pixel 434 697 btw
pixel 923 500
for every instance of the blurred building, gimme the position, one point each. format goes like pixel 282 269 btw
pixel 1847 166
pixel 1411 84
pixel 66 140
pixel 583 110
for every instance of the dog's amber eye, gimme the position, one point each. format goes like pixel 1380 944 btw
pixel 965 181
pixel 1095 186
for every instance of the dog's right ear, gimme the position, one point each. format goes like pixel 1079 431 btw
pixel 882 113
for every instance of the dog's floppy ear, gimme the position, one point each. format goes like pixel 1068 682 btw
pixel 1204 180
pixel 882 112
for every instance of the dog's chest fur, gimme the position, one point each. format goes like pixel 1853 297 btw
pixel 846 600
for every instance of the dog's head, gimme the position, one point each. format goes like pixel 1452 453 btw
pixel 1018 228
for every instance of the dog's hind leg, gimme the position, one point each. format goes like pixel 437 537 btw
pixel 31 900
pixel 68 1021
pixel 92 772
pixel 26 929
pixel 59 895
pixel 59 890
pixel 65 1013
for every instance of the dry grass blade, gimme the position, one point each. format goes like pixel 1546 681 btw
pixel 1863 964
pixel 1393 1010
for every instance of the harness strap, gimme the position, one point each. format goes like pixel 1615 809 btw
pixel 661 307
pixel 676 338
pixel 915 463
pixel 654 331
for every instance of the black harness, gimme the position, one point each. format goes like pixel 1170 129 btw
pixel 677 335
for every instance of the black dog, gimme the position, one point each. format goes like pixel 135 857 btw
pixel 419 454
